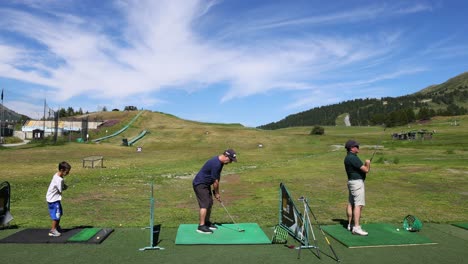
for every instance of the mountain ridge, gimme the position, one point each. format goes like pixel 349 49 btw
pixel 447 99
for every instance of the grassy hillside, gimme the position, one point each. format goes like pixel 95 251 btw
pixel 450 85
pixel 427 178
pixel 456 88
pixel 11 115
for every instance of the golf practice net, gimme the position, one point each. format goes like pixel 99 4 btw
pixel 298 225
pixel 290 219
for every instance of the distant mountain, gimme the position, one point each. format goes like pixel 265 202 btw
pixel 447 99
pixel 10 116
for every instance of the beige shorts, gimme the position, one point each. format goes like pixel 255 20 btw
pixel 357 194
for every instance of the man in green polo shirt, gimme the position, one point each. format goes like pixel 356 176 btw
pixel 356 171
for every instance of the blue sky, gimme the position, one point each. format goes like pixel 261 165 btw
pixel 235 61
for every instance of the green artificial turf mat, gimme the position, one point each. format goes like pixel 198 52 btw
pixel 84 235
pixel 226 234
pixel 461 225
pixel 380 235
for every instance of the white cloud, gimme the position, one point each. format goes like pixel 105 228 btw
pixel 161 50
pixel 152 46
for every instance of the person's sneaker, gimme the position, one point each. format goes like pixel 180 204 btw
pixel 203 229
pixel 357 230
pixel 349 227
pixel 211 226
pixel 54 233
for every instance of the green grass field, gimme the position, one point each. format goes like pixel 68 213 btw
pixel 427 178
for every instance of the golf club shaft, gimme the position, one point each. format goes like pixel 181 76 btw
pixel 380 143
pixel 375 150
pixel 232 219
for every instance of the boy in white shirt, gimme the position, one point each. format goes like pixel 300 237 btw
pixel 54 197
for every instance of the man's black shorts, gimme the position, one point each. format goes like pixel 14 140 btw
pixel 204 196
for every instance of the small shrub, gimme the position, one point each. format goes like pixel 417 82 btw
pixel 12 140
pixel 317 130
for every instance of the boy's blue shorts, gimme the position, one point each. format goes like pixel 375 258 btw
pixel 55 210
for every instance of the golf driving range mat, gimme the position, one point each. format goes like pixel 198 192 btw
pixel 380 235
pixel 75 235
pixel 461 225
pixel 226 234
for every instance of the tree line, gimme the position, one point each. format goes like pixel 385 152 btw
pixel 70 112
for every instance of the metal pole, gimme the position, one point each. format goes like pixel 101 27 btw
pixel 1 121
pixel 321 230
pixel 43 137
pixel 153 244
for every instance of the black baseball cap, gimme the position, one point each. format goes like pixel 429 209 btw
pixel 231 154
pixel 351 143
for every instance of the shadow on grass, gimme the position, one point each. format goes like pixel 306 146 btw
pixel 9 227
pixel 343 222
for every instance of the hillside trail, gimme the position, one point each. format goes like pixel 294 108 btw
pixel 346 121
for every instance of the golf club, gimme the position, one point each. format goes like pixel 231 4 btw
pixel 238 228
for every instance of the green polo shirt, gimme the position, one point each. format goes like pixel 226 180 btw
pixel 353 167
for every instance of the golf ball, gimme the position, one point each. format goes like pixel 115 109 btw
pixel 398 229
pixel 97 237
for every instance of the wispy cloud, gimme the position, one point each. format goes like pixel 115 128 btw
pixel 162 51
pixel 140 49
pixel 414 8
pixel 445 48
pixel 343 91
pixel 374 11
pixel 350 16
